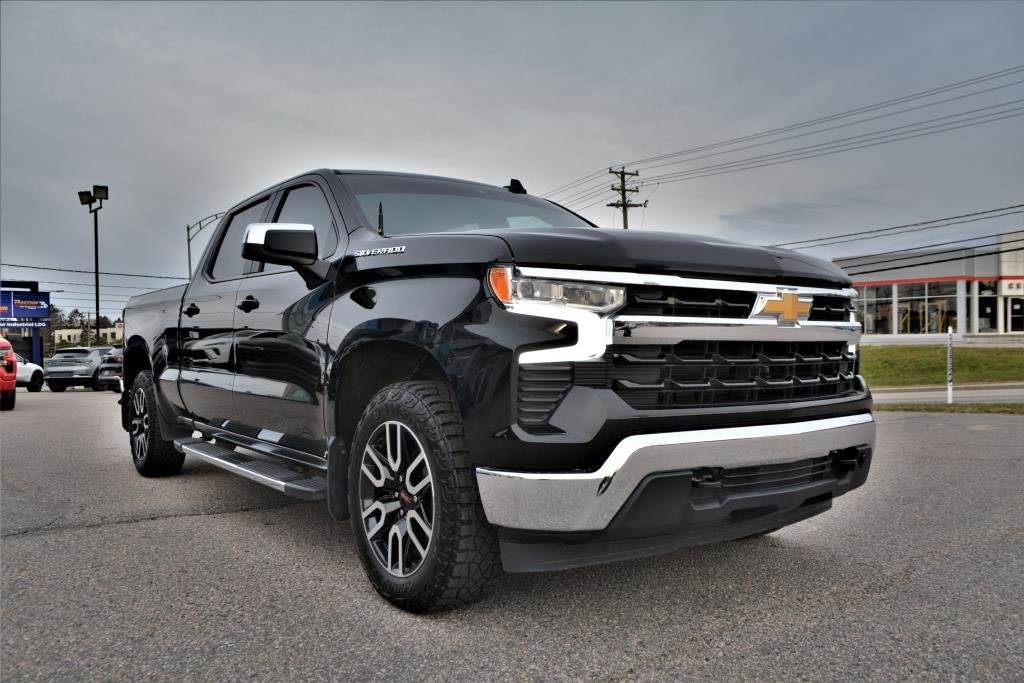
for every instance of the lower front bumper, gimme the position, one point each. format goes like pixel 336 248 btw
pixel 588 501
pixel 658 492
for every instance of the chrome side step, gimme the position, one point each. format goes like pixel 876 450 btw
pixel 278 477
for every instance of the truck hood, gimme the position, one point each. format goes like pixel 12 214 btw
pixel 666 253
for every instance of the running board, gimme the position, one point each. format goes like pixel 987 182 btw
pixel 278 477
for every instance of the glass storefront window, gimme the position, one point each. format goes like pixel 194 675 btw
pixel 878 317
pixel 927 307
pixel 912 290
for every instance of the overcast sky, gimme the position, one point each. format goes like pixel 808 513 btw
pixel 184 109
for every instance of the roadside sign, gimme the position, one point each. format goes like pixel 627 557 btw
pixel 14 304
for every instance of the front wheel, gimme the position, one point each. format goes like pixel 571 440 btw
pixel 416 513
pixel 7 399
pixel 36 383
pixel 152 455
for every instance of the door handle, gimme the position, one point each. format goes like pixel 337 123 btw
pixel 191 310
pixel 249 303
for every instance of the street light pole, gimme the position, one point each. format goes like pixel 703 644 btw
pixel 87 198
pixel 96 261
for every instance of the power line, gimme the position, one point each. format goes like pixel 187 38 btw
pixel 928 263
pixel 102 272
pixel 854 141
pixel 803 124
pixel 573 183
pixel 820 154
pixel 931 246
pixel 842 125
pixel 840 115
pixel 904 232
pixel 934 253
pixel 896 227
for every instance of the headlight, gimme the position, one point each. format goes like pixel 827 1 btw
pixel 589 296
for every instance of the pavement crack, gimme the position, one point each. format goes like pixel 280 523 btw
pixel 48 528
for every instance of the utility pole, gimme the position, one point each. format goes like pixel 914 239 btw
pixel 624 203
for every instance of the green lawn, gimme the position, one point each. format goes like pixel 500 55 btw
pixel 1009 408
pixel 900 366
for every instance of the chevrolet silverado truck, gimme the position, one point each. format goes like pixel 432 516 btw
pixel 480 379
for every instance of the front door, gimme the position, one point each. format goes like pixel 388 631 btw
pixel 207 366
pixel 1015 307
pixel 281 336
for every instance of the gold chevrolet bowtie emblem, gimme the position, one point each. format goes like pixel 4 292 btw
pixel 787 308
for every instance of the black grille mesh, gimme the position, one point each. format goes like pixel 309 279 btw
pixel 695 302
pixel 715 373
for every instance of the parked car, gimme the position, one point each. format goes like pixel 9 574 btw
pixel 481 379
pixel 110 370
pixel 30 375
pixel 74 367
pixel 8 375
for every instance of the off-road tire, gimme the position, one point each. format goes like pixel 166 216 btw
pixel 462 558
pixel 152 454
pixel 57 386
pixel 36 383
pixel 7 399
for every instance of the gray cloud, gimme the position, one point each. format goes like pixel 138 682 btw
pixel 183 109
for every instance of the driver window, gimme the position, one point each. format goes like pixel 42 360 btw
pixel 307 204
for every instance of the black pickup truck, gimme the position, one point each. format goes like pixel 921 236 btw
pixel 481 379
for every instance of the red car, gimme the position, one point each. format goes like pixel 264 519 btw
pixel 8 375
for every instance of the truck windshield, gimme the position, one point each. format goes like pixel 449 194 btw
pixel 417 205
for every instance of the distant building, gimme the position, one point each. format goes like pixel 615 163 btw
pixel 108 335
pixel 982 295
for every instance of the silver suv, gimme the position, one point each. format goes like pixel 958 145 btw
pixel 74 367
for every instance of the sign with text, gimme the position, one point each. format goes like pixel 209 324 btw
pixel 1011 287
pixel 15 304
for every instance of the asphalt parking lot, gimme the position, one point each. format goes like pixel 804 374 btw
pixel 107 575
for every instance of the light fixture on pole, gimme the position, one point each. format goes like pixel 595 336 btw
pixel 191 231
pixel 87 198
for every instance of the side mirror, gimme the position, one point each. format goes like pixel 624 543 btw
pixel 285 244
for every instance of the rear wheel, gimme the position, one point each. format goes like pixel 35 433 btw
pixel 56 386
pixel 416 514
pixel 7 399
pixel 95 383
pixel 36 383
pixel 152 455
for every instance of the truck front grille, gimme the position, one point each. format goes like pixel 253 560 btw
pixel 687 302
pixel 718 373
pixel 695 302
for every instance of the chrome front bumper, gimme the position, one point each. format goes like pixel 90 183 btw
pixel 588 501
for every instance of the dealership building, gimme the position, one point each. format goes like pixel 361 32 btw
pixel 975 291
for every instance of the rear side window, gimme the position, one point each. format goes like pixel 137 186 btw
pixel 228 262
pixel 307 204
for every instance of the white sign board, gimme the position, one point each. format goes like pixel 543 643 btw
pixel 1011 287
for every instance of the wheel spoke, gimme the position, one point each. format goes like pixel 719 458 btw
pixel 393 433
pixel 418 526
pixel 381 508
pixel 411 483
pixel 382 471
pixel 396 549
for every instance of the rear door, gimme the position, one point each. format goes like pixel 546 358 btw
pixel 207 370
pixel 281 335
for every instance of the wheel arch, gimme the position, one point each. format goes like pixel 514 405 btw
pixel 369 367
pixel 136 359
